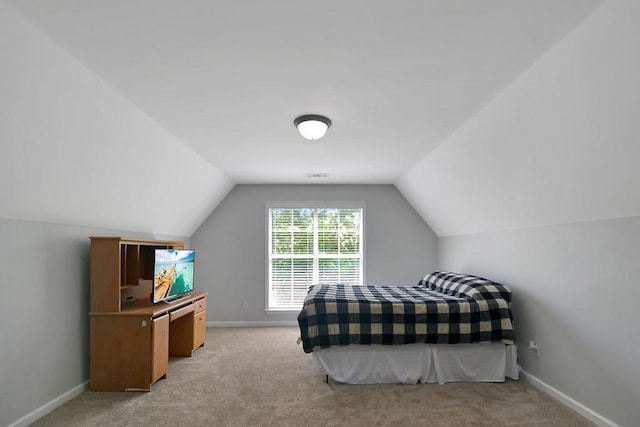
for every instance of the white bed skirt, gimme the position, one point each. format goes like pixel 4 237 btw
pixel 413 363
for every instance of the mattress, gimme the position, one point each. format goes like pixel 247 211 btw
pixel 444 308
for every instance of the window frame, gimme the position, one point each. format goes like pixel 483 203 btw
pixel 308 205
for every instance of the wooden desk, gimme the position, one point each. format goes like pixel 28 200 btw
pixel 130 349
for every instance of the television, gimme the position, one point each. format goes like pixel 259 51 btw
pixel 172 274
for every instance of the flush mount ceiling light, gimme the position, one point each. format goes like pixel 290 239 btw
pixel 312 126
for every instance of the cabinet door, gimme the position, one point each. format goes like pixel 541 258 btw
pixel 160 348
pixel 120 352
pixel 199 329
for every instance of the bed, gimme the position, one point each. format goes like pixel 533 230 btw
pixel 449 327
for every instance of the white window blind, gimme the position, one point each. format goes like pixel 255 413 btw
pixel 309 246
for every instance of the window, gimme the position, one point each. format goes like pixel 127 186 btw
pixel 311 245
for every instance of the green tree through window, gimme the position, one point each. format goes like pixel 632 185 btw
pixel 309 246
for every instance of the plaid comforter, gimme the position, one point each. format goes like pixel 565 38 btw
pixel 444 308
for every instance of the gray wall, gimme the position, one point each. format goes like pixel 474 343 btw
pixel 400 247
pixel 576 293
pixel 44 322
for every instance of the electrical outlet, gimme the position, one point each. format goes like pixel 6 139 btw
pixel 245 305
pixel 533 346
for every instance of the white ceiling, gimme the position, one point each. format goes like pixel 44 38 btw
pixel 227 78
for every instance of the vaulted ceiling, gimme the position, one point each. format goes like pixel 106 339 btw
pixel 227 78
pixel 462 105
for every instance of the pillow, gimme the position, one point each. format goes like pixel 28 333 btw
pixel 464 285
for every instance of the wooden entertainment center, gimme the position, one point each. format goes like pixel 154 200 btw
pixel 132 338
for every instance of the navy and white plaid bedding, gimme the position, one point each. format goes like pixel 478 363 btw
pixel 444 308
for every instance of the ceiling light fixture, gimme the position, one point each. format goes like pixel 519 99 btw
pixel 312 126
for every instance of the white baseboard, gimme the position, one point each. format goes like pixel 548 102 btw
pixel 586 412
pixel 253 324
pixel 51 405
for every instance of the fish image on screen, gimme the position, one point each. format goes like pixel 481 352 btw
pixel 172 273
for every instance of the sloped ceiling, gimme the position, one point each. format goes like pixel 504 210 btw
pixel 75 152
pixel 116 106
pixel 561 144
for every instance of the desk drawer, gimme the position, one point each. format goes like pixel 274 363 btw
pixel 176 314
pixel 201 305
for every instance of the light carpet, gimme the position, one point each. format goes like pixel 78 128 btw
pixel 261 377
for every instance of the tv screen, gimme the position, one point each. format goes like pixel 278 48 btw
pixel 172 274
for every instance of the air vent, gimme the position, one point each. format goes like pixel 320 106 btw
pixel 318 175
